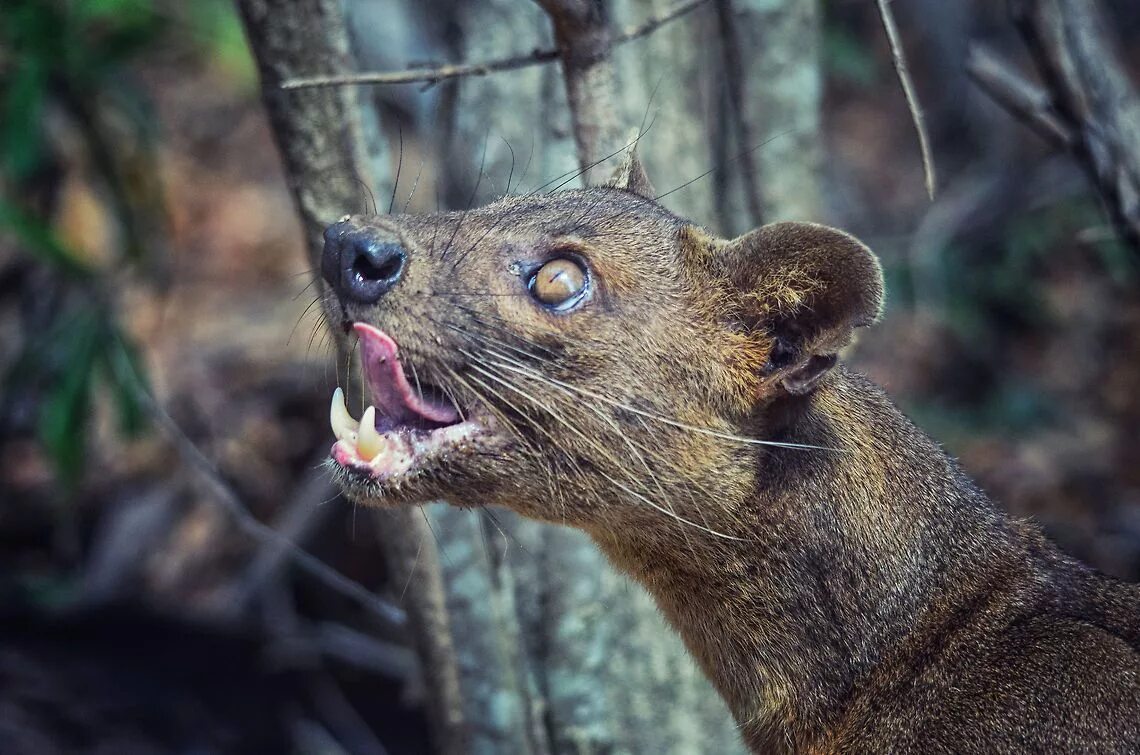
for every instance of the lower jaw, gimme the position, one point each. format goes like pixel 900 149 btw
pixel 423 482
pixel 406 454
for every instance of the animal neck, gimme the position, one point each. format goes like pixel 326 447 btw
pixel 849 554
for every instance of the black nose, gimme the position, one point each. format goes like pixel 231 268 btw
pixel 361 264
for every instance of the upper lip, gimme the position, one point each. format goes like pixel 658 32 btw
pixel 398 402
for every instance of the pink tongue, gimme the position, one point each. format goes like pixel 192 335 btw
pixel 392 395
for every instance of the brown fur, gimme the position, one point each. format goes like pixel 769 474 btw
pixel 860 595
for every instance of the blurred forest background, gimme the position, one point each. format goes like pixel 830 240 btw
pixel 150 597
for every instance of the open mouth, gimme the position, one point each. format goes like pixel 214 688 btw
pixel 409 425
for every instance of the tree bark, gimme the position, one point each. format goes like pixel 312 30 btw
pixel 574 657
pixel 584 39
pixel 332 152
pixel 413 563
pixel 320 133
pixel 668 80
pixel 736 93
pixel 780 51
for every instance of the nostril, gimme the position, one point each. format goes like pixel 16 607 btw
pixel 369 268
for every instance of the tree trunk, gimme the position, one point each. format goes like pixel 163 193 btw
pixel 333 151
pixel 320 133
pixel 584 39
pixel 666 80
pixel 558 653
pixel 544 648
pixel 736 93
pixel 780 44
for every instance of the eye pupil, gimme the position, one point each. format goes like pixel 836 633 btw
pixel 559 282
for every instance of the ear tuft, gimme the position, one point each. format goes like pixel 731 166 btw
pixel 631 176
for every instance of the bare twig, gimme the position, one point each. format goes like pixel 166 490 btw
pixel 651 25
pixel 363 650
pixel 223 495
pixel 899 59
pixel 305 646
pixel 432 76
pixel 1026 101
pixel 428 76
pixel 303 514
pixel 1093 96
pixel 343 720
pixel 737 96
pixel 122 543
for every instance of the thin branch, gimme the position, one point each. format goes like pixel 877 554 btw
pixel 736 97
pixel 585 43
pixel 302 647
pixel 224 497
pixel 343 720
pixel 650 26
pixel 428 76
pixel 432 76
pixel 1093 95
pixel 304 513
pixel 1024 100
pixel 907 84
pixel 413 561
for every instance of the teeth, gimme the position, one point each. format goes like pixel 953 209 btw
pixel 344 427
pixel 368 441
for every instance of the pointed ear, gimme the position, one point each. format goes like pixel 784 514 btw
pixel 806 288
pixel 630 175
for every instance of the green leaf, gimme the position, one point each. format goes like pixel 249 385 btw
pixel 31 27
pixel 111 10
pixel 39 240
pixel 21 130
pixel 125 373
pixel 66 412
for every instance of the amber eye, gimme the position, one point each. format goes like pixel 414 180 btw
pixel 559 283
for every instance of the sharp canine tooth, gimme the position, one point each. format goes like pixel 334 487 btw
pixel 368 441
pixel 343 425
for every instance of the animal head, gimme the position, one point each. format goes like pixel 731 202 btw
pixel 584 357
